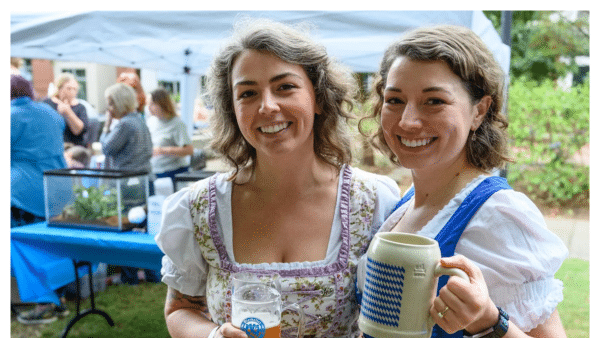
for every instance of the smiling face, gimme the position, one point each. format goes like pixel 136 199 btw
pixel 274 103
pixel 427 115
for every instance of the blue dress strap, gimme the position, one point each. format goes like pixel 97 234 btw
pixel 450 234
pixel 409 194
pixel 454 228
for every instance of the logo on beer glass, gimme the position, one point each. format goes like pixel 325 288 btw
pixel 253 327
pixel 256 305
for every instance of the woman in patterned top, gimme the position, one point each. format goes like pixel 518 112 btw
pixel 291 205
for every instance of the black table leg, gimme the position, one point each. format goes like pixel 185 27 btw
pixel 93 309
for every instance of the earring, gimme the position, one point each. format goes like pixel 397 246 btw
pixel 474 136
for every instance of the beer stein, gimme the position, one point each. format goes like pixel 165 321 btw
pixel 401 282
pixel 256 305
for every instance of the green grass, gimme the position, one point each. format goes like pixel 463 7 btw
pixel 574 310
pixel 138 310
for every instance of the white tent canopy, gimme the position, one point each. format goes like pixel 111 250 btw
pixel 185 42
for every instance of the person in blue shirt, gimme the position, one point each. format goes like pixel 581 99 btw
pixel 36 145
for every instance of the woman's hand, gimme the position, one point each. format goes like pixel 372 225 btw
pixel 62 107
pixel 188 316
pixel 230 331
pixel 107 122
pixel 468 302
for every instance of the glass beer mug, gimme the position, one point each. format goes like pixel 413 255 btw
pixel 256 305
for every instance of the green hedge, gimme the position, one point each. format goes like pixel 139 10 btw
pixel 548 126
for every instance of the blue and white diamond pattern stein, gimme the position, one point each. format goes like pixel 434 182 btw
pixel 401 281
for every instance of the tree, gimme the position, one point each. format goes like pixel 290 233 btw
pixel 542 40
pixel 547 125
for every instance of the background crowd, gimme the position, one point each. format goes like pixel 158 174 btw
pixel 55 132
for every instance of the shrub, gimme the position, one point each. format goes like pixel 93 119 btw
pixel 548 126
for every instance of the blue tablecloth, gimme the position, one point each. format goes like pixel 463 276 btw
pixel 41 256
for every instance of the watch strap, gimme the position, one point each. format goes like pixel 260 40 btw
pixel 496 331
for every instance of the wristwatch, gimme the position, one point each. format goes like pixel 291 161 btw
pixel 496 331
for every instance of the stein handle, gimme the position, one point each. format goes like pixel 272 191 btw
pixel 297 308
pixel 440 270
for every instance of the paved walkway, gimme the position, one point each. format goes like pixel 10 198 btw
pixel 575 233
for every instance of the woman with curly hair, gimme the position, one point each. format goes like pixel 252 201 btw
pixel 291 205
pixel 438 100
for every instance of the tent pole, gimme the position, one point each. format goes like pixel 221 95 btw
pixel 188 95
pixel 189 89
pixel 506 27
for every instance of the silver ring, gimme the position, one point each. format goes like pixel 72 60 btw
pixel 443 312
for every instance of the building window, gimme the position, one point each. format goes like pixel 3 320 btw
pixel 171 86
pixel 27 68
pixel 79 75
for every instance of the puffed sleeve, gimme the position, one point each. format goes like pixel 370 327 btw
pixel 183 267
pixel 387 195
pixel 510 242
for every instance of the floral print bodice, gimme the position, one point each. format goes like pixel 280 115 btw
pixel 325 292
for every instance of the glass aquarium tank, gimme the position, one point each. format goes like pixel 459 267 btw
pixel 183 180
pixel 94 198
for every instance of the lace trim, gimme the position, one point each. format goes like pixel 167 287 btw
pixel 341 262
pixel 212 223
